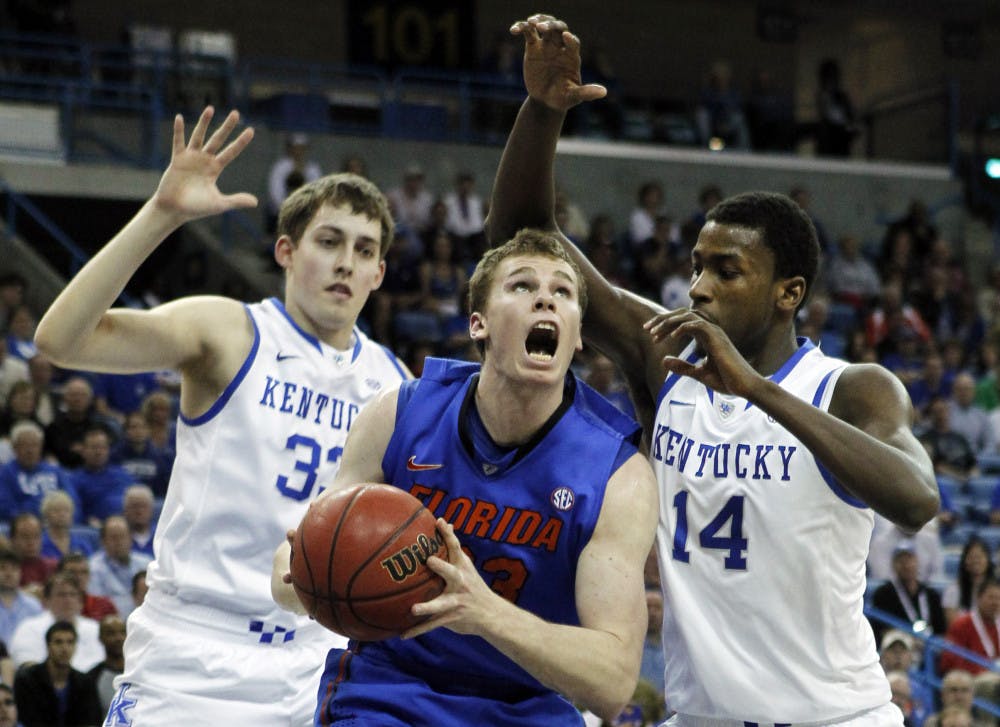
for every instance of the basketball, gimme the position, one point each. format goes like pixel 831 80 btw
pixel 359 561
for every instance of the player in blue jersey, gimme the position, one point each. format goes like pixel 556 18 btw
pixel 536 477
pixel 268 393
pixel 770 456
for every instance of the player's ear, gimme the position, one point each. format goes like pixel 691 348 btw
pixel 791 292
pixel 477 326
pixel 283 249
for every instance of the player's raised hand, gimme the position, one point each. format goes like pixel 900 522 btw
pixel 723 368
pixel 552 63
pixel 466 603
pixel 188 188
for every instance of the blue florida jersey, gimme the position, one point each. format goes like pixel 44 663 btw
pixel 762 555
pixel 523 518
pixel 247 469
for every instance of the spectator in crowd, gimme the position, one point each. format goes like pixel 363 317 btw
pixel 708 196
pixel 94 606
pixel 111 632
pixel 58 537
pixel 53 692
pixel 957 693
pixel 21 333
pixel 907 598
pixel 13 286
pixel 604 378
pixel 902 696
pixel 892 317
pixel 442 282
pixel 465 216
pixel 12 369
pixel 974 567
pixel 15 604
pixel 41 373
pixel 397 303
pixel 64 436
pixel 949 450
pixel 139 588
pixel 955 716
pixel 988 299
pixel 919 227
pixel 568 213
pixel 100 485
pixel 850 277
pixel 294 163
pixel 21 405
pixel 411 201
pixel 652 260
pixel 642 218
pixel 770 114
pixel 977 632
pixel 602 249
pixel 889 537
pixel 116 395
pixel 138 508
pixel 114 565
pixel 26 479
pixel 897 655
pixel 932 382
pixel 158 409
pixel 63 601
pixel 967 418
pixel 836 128
pixel 988 388
pixel 719 113
pixel 8 707
pixel 142 461
pixel 26 541
pixel 677 282
pixel 653 663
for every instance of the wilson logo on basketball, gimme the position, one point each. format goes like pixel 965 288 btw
pixel 403 564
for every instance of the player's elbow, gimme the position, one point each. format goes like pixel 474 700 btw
pixel 923 507
pixel 610 706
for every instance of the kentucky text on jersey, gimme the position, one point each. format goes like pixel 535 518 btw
pixel 305 403
pixel 721 459
pixel 484 519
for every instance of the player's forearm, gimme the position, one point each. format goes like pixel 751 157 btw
pixel 593 669
pixel 896 483
pixel 73 317
pixel 524 189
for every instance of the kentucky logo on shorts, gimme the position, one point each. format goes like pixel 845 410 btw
pixel 117 711
pixel 270 634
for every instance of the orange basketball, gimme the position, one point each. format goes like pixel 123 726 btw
pixel 359 561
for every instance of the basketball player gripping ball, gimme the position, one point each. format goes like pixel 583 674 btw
pixel 546 508
pixel 268 393
pixel 770 456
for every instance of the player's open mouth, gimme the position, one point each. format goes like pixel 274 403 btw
pixel 542 341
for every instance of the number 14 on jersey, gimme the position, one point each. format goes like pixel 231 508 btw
pixel 709 537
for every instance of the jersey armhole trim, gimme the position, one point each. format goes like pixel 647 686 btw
pixel 237 379
pixel 830 480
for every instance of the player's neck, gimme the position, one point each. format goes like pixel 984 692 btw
pixel 512 415
pixel 772 351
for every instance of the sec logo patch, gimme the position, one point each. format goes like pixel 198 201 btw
pixel 562 498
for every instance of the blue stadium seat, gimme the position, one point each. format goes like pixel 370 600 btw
pixel 948 486
pixel 990 535
pixel 959 534
pixel 981 490
pixel 842 318
pixel 833 343
pixel 989 464
pixel 951 563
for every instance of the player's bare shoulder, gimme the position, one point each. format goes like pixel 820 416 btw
pixel 868 393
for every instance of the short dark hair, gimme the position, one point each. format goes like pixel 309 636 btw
pixel 357 193
pixel 784 227
pixel 57 627
pixel 7 555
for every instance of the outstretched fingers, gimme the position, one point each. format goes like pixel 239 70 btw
pixel 219 136
pixel 201 128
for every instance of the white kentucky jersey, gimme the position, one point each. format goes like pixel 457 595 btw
pixel 762 556
pixel 247 469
